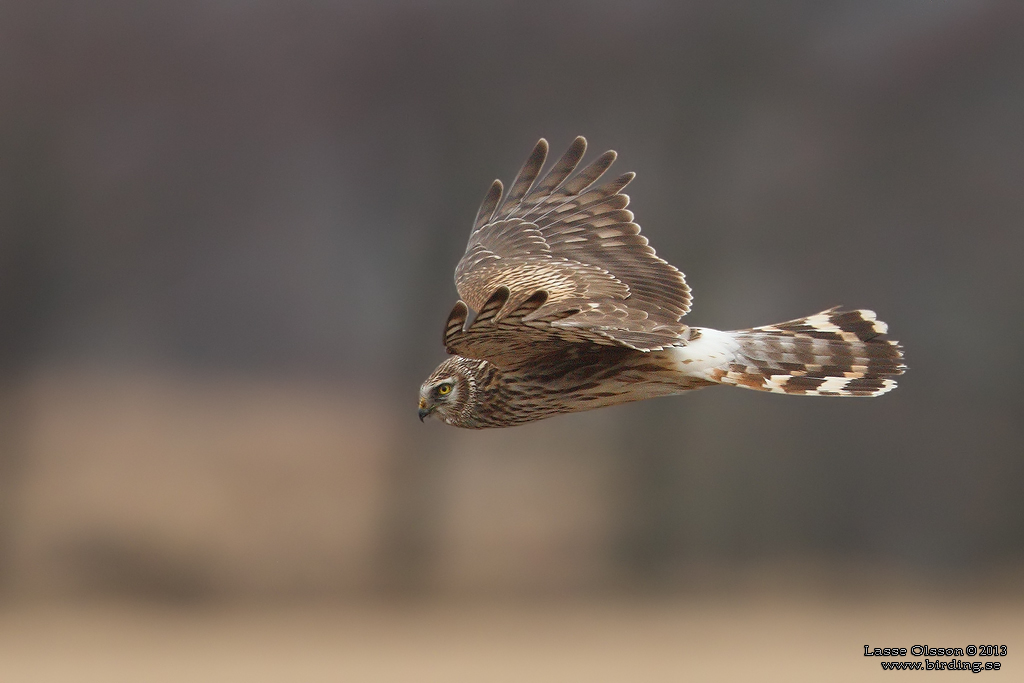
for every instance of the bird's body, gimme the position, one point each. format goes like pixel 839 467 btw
pixel 575 312
pixel 580 379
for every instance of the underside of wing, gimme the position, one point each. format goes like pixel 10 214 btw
pixel 601 281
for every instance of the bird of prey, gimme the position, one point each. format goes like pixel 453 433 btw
pixel 575 311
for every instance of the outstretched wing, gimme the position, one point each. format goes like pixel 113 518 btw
pixel 560 262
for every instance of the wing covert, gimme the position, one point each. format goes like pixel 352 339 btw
pixel 576 242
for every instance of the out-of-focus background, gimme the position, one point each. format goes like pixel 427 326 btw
pixel 227 237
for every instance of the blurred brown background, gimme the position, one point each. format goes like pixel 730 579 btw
pixel 227 237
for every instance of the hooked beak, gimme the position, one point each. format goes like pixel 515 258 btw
pixel 424 410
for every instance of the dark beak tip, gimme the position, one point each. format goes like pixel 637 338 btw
pixel 423 414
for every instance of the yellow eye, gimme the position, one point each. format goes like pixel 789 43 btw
pixel 444 389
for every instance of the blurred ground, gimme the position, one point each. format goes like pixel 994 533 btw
pixel 754 639
pixel 183 487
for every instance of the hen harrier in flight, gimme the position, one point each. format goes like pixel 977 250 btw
pixel 575 311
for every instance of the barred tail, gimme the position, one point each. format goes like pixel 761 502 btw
pixel 832 353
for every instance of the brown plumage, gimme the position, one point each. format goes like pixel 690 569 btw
pixel 575 311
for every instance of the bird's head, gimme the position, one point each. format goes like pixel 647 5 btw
pixel 449 391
